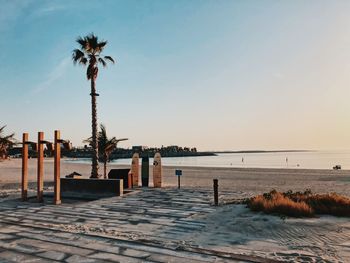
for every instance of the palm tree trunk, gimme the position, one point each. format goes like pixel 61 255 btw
pixel 94 166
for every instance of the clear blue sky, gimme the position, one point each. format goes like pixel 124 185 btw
pixel 216 75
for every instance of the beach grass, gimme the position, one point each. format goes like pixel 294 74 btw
pixel 300 204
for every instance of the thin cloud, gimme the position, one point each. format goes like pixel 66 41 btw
pixel 46 10
pixel 56 73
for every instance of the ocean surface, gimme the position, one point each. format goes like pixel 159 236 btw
pixel 299 160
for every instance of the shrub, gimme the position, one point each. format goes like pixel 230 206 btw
pixel 300 204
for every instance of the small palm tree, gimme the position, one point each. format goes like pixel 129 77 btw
pixel 90 54
pixel 6 142
pixel 105 146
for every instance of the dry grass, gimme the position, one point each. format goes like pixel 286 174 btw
pixel 300 204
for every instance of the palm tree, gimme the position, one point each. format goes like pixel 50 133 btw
pixel 6 142
pixel 105 146
pixel 90 54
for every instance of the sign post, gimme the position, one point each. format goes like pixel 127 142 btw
pixel 216 192
pixel 178 173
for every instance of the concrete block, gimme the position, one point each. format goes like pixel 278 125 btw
pixel 91 188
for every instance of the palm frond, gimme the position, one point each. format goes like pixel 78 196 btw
pixel 109 58
pixel 104 64
pixel 88 140
pixel 120 140
pixel 2 129
pixel 77 56
pixel 83 61
pixel 6 142
pixel 110 148
pixel 92 42
pixel 82 42
pixel 100 46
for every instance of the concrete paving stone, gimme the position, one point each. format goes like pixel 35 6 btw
pixel 26 248
pixel 12 219
pixel 134 253
pixel 80 259
pixel 103 247
pixel 115 258
pixel 230 261
pixel 7 230
pixel 172 259
pixel 155 250
pixel 68 248
pixel 9 256
pixel 54 255
pixel 14 245
pixel 65 235
pixel 6 236
pixel 158 219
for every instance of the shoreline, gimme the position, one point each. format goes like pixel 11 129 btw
pixel 216 167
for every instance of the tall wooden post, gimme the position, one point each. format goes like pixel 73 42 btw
pixel 135 169
pixel 216 192
pixel 25 167
pixel 40 174
pixel 57 171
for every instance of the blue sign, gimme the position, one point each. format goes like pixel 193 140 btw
pixel 178 172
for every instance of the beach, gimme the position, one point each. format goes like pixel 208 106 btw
pixel 174 224
pixel 247 181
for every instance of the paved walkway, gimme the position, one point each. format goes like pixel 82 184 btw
pixel 148 225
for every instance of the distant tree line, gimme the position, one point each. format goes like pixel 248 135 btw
pixel 118 153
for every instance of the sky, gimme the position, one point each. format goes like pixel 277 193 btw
pixel 216 75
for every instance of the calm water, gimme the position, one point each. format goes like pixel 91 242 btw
pixel 301 160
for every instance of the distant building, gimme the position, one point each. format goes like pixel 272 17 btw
pixel 139 148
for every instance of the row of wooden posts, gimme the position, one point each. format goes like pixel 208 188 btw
pixel 39 147
pixel 56 147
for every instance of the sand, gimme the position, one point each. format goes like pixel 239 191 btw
pixel 246 181
pixel 233 228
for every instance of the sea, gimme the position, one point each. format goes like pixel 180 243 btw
pixel 290 160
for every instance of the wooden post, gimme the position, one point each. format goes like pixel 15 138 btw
pixel 25 167
pixel 40 172
pixel 135 169
pixel 57 171
pixel 216 192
